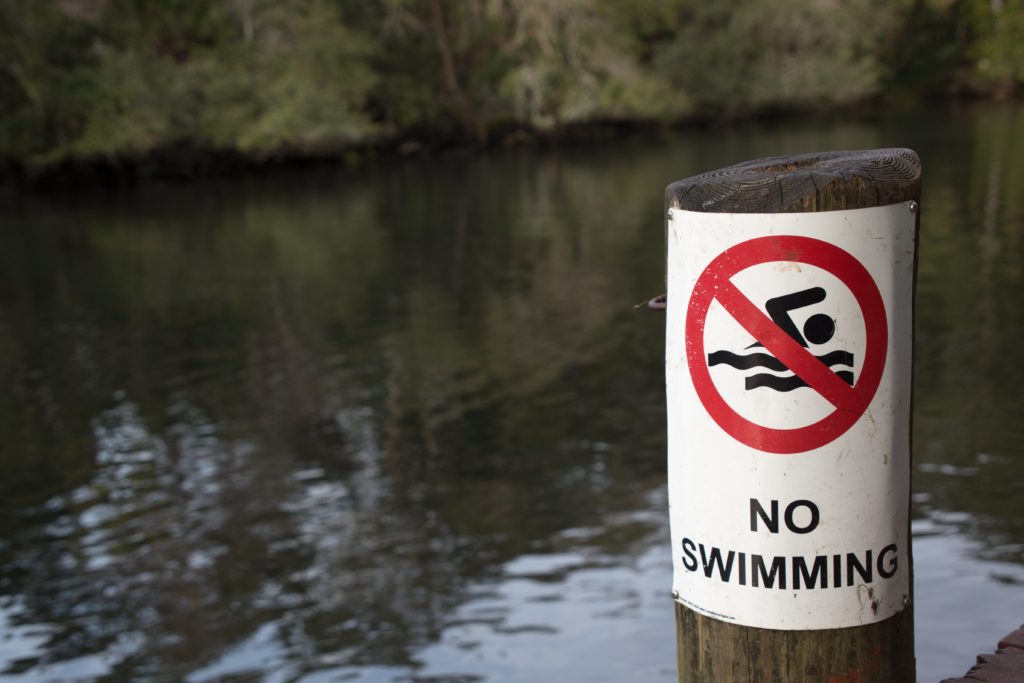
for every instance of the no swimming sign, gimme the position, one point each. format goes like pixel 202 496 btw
pixel 788 371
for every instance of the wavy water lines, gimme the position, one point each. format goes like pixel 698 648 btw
pixel 778 383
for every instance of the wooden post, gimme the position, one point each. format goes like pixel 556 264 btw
pixel 713 649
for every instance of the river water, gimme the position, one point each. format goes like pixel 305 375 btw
pixel 405 424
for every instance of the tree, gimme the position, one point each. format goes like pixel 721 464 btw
pixel 750 55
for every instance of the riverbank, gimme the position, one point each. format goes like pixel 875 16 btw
pixel 110 91
pixel 183 163
pixel 186 163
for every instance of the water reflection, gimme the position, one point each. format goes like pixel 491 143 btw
pixel 408 426
pixel 968 399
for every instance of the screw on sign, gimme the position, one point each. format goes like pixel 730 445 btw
pixel 786 348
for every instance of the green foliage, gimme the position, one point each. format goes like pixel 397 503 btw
pixel 45 83
pixel 285 77
pixel 299 83
pixel 998 49
pixel 572 62
pixel 469 65
pixel 749 55
pixel 94 78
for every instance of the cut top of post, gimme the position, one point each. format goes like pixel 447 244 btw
pixel 820 181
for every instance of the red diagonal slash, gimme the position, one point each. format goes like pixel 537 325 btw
pixel 714 284
pixel 782 346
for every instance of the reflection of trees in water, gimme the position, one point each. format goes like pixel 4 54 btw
pixel 299 424
pixel 301 419
pixel 970 325
pixel 314 420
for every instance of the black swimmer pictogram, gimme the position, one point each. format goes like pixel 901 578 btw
pixel 817 329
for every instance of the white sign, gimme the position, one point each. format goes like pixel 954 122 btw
pixel 788 368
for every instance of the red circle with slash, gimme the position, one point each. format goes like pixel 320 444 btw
pixel 849 402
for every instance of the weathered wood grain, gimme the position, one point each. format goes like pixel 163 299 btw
pixel 823 181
